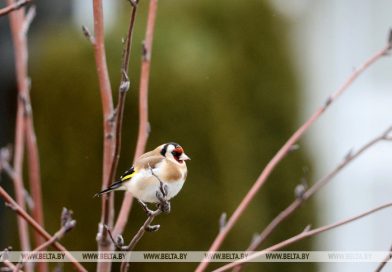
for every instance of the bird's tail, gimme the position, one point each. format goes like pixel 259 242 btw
pixel 112 187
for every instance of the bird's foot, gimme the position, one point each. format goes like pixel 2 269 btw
pixel 164 204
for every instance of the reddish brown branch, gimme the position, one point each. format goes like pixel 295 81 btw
pixel 38 228
pixel 144 128
pixel 297 203
pixel 301 236
pixel 286 148
pixel 138 236
pixel 20 23
pixel 108 138
pixel 34 170
pixel 20 52
pixel 14 6
pixel 17 178
pixel 112 119
pixel 115 121
pixel 67 224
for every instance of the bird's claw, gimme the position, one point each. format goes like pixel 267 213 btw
pixel 164 204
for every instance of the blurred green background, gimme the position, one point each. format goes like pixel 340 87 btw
pixel 222 85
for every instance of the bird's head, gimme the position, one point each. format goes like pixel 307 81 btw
pixel 174 151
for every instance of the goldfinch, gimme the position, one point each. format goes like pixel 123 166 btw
pixel 165 164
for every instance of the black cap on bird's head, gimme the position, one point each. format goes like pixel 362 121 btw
pixel 174 150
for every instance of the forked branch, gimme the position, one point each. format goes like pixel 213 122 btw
pixel 301 236
pixel 144 127
pixel 287 147
pixel 306 194
pixel 15 6
pixel 25 216
pixel 67 224
pixel 385 261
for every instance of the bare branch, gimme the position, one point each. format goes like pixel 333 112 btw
pixel 4 259
pixel 286 148
pixel 144 127
pixel 302 236
pixel 67 224
pixel 107 202
pixel 385 261
pixel 115 121
pixel 14 6
pixel 123 89
pixel 30 15
pixel 20 52
pixel 24 216
pixel 5 157
pixel 145 227
pixel 20 23
pixel 306 194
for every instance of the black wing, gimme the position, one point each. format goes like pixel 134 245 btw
pixel 125 177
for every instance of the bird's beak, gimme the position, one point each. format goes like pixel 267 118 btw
pixel 184 157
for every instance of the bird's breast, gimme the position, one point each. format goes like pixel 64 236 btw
pixel 170 172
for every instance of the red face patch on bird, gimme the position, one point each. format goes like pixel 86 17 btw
pixel 177 152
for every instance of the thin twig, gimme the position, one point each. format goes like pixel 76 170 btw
pixel 164 206
pixel 67 224
pixel 301 236
pixel 15 6
pixel 139 235
pixel 20 24
pixel 385 261
pixel 123 89
pixel 30 15
pixel 286 148
pixel 20 53
pixel 10 265
pixel 297 203
pixel 25 216
pixel 115 119
pixel 34 175
pixel 144 127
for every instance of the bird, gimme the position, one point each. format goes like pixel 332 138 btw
pixel 163 167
